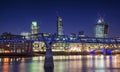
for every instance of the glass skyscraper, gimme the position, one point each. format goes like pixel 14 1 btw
pixel 101 29
pixel 34 30
pixel 60 31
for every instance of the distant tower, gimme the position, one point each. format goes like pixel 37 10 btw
pixel 106 26
pixel 81 34
pixel 60 31
pixel 101 29
pixel 34 30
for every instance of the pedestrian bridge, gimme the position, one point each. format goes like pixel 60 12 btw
pixel 107 51
pixel 77 44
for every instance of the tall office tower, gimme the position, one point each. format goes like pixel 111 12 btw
pixel 60 30
pixel 106 27
pixel 34 30
pixel 101 29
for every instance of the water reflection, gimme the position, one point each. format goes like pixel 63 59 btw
pixel 10 59
pixel 97 63
pixel 5 63
pixel 76 63
pixel 49 69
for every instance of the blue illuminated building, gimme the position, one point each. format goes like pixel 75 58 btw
pixel 60 30
pixel 101 29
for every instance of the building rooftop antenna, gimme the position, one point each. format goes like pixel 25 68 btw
pixel 100 20
pixel 57 13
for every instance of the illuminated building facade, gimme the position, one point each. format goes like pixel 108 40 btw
pixel 17 44
pixel 60 30
pixel 7 35
pixel 77 44
pixel 14 44
pixel 26 35
pixel 34 30
pixel 101 29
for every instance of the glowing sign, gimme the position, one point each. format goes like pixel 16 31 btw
pixel 34 23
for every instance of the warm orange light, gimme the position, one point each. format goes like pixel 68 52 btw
pixel 6 59
pixel 7 51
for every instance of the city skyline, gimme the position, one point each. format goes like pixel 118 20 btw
pixel 17 16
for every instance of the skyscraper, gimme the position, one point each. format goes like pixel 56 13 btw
pixel 101 29
pixel 106 26
pixel 34 30
pixel 60 30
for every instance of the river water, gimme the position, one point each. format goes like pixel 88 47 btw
pixel 71 63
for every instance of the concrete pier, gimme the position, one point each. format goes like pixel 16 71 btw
pixel 48 59
pixel 48 63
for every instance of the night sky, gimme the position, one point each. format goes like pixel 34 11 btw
pixel 78 15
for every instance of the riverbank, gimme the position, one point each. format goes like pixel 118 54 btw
pixel 15 55
pixel 74 53
pixel 54 53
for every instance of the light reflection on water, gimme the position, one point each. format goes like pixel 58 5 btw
pixel 74 63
